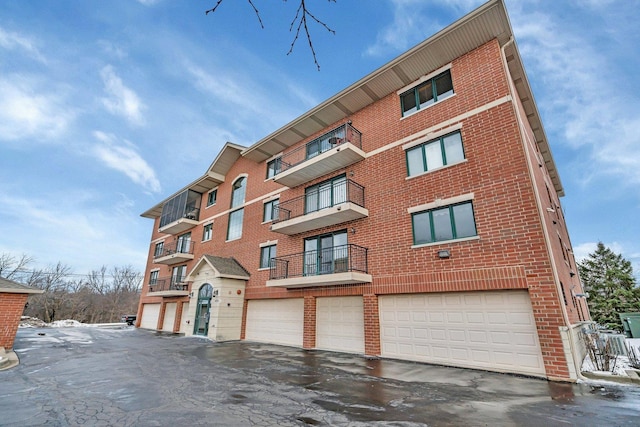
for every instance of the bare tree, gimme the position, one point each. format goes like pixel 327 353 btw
pixel 11 267
pixel 300 21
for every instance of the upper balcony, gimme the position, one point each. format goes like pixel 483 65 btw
pixel 328 204
pixel 176 252
pixel 337 265
pixel 173 286
pixel 181 213
pixel 328 153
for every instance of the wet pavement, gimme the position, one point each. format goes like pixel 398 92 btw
pixel 129 377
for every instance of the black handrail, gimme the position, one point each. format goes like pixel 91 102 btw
pixel 340 135
pixel 176 247
pixel 332 260
pixel 313 201
pixel 171 283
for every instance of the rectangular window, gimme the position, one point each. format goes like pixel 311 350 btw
pixel 207 232
pixel 274 167
pixel 446 223
pixel 266 253
pixel 270 210
pixel 235 224
pixel 178 275
pixel 159 249
pixel 211 198
pixel 183 245
pixel 153 277
pixel 326 254
pixel 427 93
pixel 431 155
pixel 326 194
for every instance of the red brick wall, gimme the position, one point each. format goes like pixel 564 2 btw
pixel 11 308
pixel 510 252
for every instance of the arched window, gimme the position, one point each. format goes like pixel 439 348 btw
pixel 237 194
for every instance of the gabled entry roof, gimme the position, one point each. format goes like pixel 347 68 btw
pixel 223 267
pixel 11 287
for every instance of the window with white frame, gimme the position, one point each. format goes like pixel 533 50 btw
pixel 444 223
pixel 270 210
pixel 234 230
pixel 153 277
pixel 266 254
pixel 211 197
pixel 435 154
pixel 274 167
pixel 159 249
pixel 207 232
pixel 427 93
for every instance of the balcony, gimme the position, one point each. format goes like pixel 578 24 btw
pixel 330 152
pixel 181 213
pixel 330 204
pixel 337 265
pixel 174 253
pixel 173 286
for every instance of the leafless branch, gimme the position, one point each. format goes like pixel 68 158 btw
pixel 302 18
pixel 301 15
pixel 255 9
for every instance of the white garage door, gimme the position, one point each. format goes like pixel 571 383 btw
pixel 169 316
pixel 340 324
pixel 483 330
pixel 150 313
pixel 183 324
pixel 276 321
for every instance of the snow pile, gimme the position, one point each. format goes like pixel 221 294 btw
pixel 67 323
pixel 34 322
pixel 622 363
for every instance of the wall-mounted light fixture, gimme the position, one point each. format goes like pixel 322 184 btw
pixel 353 231
pixel 191 294
pixel 444 253
pixel 572 273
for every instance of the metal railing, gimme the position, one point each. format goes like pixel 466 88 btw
pixel 340 135
pixel 322 198
pixel 172 283
pixel 176 247
pixel 336 259
pixel 183 205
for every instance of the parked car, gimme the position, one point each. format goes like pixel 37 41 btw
pixel 129 319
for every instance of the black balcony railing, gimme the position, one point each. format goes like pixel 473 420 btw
pixel 333 194
pixel 336 259
pixel 177 247
pixel 173 283
pixel 344 133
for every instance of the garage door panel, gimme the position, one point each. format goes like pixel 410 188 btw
pixel 340 324
pixel 169 316
pixel 150 314
pixel 276 321
pixel 492 330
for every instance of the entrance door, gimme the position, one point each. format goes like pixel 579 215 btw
pixel 201 326
pixel 326 254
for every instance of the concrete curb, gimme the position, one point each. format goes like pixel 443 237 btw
pixel 631 378
pixel 8 359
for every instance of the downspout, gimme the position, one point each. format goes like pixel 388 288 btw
pixel 554 268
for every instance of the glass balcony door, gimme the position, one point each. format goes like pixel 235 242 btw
pixel 326 194
pixel 325 254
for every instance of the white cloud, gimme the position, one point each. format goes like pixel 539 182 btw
pixel 123 157
pixel 122 101
pixel 27 111
pixel 72 229
pixel 595 115
pixel 14 41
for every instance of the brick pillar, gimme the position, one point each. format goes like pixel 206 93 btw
pixel 309 332
pixel 178 319
pixel 371 325
pixel 11 308
pixel 243 328
pixel 163 307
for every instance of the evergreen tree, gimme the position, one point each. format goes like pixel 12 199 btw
pixel 608 280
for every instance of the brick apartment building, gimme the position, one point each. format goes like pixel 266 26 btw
pixel 414 215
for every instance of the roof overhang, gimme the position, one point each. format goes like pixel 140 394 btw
pixel 487 22
pixel 215 176
pixel 205 261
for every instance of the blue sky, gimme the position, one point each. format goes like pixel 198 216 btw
pixel 106 108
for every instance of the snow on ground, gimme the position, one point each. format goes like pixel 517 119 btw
pixel 33 322
pixel 622 363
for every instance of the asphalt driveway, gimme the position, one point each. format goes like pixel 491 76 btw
pixel 129 377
